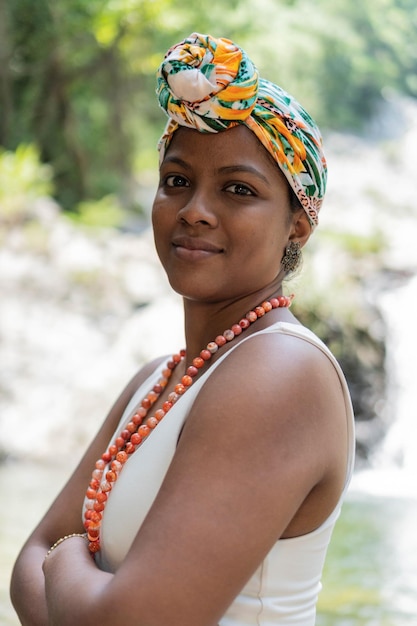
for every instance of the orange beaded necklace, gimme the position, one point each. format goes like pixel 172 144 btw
pixel 109 466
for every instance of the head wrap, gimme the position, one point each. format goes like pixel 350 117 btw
pixel 211 85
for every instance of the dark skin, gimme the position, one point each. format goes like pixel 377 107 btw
pixel 264 446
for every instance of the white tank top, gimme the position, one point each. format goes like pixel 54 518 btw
pixel 285 587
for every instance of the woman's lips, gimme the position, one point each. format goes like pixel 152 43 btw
pixel 190 249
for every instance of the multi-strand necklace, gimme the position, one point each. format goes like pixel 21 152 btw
pixel 108 467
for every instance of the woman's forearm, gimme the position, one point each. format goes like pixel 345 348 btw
pixel 27 588
pixel 73 585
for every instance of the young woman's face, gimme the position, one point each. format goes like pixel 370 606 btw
pixel 221 215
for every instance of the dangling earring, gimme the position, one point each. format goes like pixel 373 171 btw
pixel 292 257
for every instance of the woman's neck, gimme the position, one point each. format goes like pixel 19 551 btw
pixel 204 321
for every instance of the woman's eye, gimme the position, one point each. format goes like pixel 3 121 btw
pixel 240 189
pixel 175 180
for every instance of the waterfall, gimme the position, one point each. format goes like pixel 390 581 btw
pixel 393 466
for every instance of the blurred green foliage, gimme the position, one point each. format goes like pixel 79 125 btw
pixel 104 213
pixel 23 179
pixel 77 76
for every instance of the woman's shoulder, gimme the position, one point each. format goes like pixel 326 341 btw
pixel 283 363
pixel 291 348
pixel 283 379
pixel 279 348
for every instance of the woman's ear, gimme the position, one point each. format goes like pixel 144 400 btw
pixel 301 228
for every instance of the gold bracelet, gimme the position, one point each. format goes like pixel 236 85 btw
pixel 64 538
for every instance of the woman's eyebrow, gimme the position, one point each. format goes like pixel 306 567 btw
pixel 226 169
pixel 232 169
pixel 177 160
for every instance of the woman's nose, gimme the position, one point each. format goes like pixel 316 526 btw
pixel 198 210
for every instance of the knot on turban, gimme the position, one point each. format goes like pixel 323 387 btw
pixel 211 84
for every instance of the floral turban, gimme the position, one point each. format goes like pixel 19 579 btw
pixel 211 85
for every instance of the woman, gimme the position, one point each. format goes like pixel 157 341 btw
pixel 215 500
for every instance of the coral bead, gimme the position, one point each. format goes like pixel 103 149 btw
pixel 152 422
pixel 121 457
pixel 260 311
pixel 212 347
pixel 120 442
pixel 267 306
pixel 139 415
pixel 146 403
pixel 143 430
pixel 198 362
pixel 97 474
pixel 220 340
pixel 136 439
pixel 229 334
pixel 159 414
pixel 94 546
pixel 179 389
pixel 152 396
pixel 186 381
pixel 236 329
pixel 94 484
pixel 205 355
pixel 251 316
pixel 116 465
pixel 244 323
pixel 192 371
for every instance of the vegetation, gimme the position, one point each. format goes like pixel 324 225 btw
pixel 23 179
pixel 77 76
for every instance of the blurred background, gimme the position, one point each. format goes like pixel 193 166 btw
pixel 83 302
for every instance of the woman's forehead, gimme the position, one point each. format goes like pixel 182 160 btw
pixel 233 147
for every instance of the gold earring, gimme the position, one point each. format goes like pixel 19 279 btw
pixel 292 257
